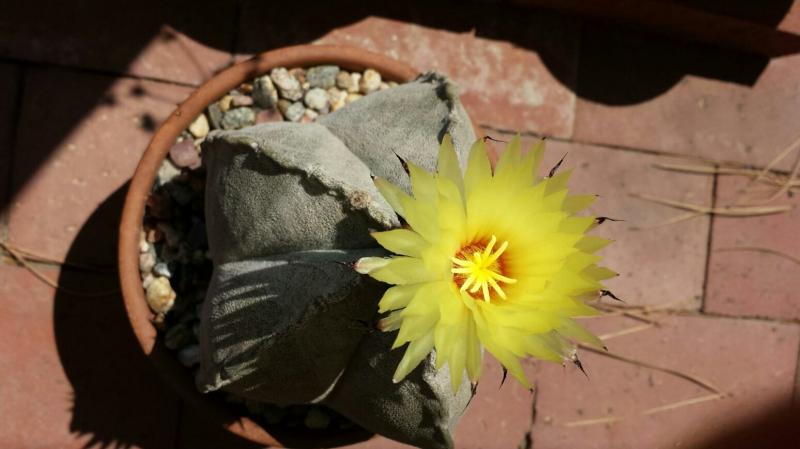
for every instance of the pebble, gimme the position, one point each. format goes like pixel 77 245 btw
pixel 160 295
pixel 180 192
pixel 264 92
pixel 316 98
pixel 225 103
pixel 348 82
pixel 215 115
pixel 317 419
pixel 323 76
pixel 184 154
pixel 299 74
pixel 241 100
pixel 154 235
pixel 269 115
pixel 295 111
pixel 146 262
pixel 384 86
pixel 190 355
pixel 199 127
pixel 238 118
pixel 178 337
pixel 370 82
pixel 144 247
pixel 273 414
pixel 161 269
pixel 352 97
pixel 287 85
pixel 166 172
pixel 172 236
pixel 337 98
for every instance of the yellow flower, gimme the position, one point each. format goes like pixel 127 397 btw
pixel 496 260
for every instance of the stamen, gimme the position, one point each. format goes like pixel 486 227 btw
pixel 479 270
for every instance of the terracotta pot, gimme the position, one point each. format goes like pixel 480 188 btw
pixel 136 306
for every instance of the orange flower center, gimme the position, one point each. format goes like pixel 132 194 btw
pixel 478 269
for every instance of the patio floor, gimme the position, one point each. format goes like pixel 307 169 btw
pixel 707 339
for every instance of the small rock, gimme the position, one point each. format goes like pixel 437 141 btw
pixel 295 111
pixel 392 84
pixel 241 100
pixel 299 74
pixel 317 419
pixel 154 235
pixel 215 115
pixel 144 247
pixel 264 92
pixel 180 193
pixel 190 355
pixel 147 280
pixel 384 86
pixel 166 172
pixel 184 154
pixel 146 262
pixel 288 86
pixel 160 295
pixel 225 103
pixel 311 114
pixel 316 98
pixel 336 98
pixel 178 337
pixel 352 97
pixel 246 88
pixel 370 82
pixel 283 106
pixel 269 115
pixel 158 205
pixel 238 118
pixel 199 127
pixel 348 82
pixel 161 269
pixel 323 76
pixel 172 236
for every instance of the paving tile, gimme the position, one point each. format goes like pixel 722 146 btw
pixel 180 41
pixel 73 374
pixel 659 265
pixel 80 139
pixel 750 283
pixel 9 85
pixel 514 67
pixel 752 362
pixel 645 92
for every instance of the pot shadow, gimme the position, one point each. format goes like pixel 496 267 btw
pixel 771 428
pixel 119 400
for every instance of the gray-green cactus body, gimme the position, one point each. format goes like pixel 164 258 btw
pixel 289 207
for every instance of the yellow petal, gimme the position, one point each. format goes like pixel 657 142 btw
pixel 423 184
pixel 479 171
pixel 401 241
pixel 391 194
pixel 403 270
pixel 417 351
pixel 366 265
pixel 577 203
pixel 448 166
pixel 397 297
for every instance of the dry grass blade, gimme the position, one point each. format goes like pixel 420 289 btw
pixel 777 159
pixel 673 220
pixel 760 249
pixel 683 403
pixel 22 260
pixel 693 379
pixel 592 422
pixel 627 331
pixel 728 211
pixel 31 256
pixel 788 184
pixel 773 178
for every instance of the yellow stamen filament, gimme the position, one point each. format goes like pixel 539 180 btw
pixel 482 270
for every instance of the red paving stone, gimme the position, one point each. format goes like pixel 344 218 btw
pixel 658 265
pixel 178 41
pixel 73 375
pixel 514 67
pixel 752 362
pixel 656 95
pixel 753 283
pixel 80 139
